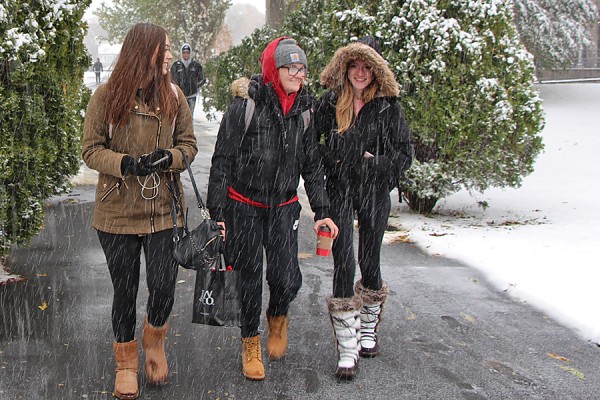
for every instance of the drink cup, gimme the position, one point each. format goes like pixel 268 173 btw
pixel 324 241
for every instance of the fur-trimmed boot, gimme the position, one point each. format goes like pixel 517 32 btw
pixel 126 358
pixel 252 364
pixel 278 336
pixel 345 318
pixel 370 317
pixel 153 342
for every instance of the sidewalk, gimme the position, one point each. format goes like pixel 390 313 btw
pixel 447 333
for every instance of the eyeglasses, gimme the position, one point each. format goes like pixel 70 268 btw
pixel 293 71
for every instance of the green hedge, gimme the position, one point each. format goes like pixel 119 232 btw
pixel 42 103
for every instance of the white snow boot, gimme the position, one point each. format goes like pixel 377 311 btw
pixel 345 318
pixel 370 317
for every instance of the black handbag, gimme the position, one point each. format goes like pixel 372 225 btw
pixel 201 247
pixel 217 296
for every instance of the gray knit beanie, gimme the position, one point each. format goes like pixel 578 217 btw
pixel 288 52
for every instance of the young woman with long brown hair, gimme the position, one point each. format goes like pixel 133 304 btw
pixel 136 126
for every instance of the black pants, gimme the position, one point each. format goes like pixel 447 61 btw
pixel 372 205
pixel 192 103
pixel 249 230
pixel 123 259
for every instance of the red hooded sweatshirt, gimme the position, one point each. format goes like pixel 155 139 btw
pixel 271 74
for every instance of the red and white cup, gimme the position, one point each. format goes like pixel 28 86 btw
pixel 324 241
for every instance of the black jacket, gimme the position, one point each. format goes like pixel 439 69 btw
pixel 265 163
pixel 188 79
pixel 380 129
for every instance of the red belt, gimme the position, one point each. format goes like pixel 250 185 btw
pixel 234 195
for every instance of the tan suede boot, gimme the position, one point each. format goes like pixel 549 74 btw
pixel 153 342
pixel 126 358
pixel 278 336
pixel 252 365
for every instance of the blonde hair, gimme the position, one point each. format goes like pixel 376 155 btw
pixel 344 110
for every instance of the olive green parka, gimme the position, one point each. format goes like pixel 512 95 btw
pixel 131 204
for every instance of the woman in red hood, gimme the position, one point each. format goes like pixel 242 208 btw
pixel 266 141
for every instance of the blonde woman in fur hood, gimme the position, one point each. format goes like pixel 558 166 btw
pixel 367 147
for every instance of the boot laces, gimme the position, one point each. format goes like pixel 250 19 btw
pixel 253 349
pixel 342 321
pixel 372 310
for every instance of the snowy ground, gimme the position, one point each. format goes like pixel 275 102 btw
pixel 540 243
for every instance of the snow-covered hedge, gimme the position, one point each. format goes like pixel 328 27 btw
pixel 42 100
pixel 466 84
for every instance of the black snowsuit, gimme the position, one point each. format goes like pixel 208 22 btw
pixel 264 166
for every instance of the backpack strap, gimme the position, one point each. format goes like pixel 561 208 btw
pixel 250 106
pixel 306 119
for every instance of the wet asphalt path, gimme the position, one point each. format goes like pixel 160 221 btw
pixel 447 333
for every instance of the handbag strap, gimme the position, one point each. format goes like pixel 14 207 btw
pixel 189 169
pixel 177 197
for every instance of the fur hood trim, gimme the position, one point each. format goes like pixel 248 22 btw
pixel 334 74
pixel 370 296
pixel 239 87
pixel 341 304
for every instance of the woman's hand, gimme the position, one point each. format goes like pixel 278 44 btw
pixel 222 225
pixel 330 224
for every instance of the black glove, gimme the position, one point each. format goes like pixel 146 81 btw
pixel 329 157
pixel 129 166
pixel 158 160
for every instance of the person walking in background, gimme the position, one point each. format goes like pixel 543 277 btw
pixel 252 192
pixel 97 68
pixel 188 74
pixel 367 148
pixel 136 126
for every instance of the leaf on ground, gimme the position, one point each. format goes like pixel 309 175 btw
pixel 41 274
pixel 43 306
pixel 561 358
pixel 468 318
pixel 573 371
pixel 411 316
pixel 401 239
pixel 304 256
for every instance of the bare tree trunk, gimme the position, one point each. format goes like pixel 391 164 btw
pixel 275 13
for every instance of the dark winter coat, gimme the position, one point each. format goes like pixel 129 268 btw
pixel 120 207
pixel 379 128
pixel 189 78
pixel 97 67
pixel 265 163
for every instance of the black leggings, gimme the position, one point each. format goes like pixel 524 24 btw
pixel 123 259
pixel 372 205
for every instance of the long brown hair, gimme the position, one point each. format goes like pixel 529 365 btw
pixel 135 70
pixel 344 111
